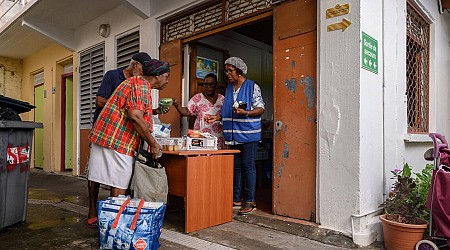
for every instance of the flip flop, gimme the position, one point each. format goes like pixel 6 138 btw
pixel 92 222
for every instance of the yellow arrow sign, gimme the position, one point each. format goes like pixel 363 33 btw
pixel 337 26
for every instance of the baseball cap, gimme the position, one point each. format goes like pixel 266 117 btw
pixel 141 57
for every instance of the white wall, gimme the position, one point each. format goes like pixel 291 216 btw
pixel 339 119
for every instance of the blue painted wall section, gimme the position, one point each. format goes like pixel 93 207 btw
pixel 286 150
pixel 309 90
pixel 291 84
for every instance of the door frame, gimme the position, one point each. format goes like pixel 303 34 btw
pixel 63 121
pixel 260 16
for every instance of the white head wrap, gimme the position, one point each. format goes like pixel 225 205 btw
pixel 238 63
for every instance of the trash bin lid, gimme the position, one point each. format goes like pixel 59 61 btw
pixel 16 105
pixel 19 124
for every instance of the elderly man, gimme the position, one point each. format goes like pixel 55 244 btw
pixel 125 118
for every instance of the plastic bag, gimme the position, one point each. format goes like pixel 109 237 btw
pixel 126 223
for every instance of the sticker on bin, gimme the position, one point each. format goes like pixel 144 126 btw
pixel 18 155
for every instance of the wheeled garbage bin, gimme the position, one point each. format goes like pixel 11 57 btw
pixel 16 140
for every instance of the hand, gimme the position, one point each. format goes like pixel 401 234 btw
pixel 212 118
pixel 240 111
pixel 155 150
pixel 164 110
pixel 160 110
pixel 175 103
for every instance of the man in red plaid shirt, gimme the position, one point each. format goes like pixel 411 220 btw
pixel 125 118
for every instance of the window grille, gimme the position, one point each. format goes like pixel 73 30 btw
pixel 239 8
pixel 91 70
pixel 417 70
pixel 127 46
pixel 210 15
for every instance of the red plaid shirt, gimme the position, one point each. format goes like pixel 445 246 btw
pixel 113 129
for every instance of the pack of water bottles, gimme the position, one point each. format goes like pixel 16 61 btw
pixel 126 223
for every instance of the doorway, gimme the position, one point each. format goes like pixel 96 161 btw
pixel 279 48
pixel 66 122
pixel 253 43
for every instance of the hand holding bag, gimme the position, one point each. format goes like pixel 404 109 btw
pixel 149 179
pixel 129 224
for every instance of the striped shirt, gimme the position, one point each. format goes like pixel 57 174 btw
pixel 113 129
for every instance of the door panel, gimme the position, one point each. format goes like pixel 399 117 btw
pixel 295 38
pixel 171 52
pixel 69 124
pixel 39 132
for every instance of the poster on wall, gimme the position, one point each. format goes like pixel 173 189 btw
pixel 206 66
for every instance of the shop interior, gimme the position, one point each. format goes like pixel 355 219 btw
pixel 254 44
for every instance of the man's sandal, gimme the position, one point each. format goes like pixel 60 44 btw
pixel 92 222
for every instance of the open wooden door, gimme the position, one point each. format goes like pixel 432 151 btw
pixel 171 52
pixel 295 39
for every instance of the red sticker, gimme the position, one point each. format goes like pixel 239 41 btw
pixel 18 155
pixel 140 244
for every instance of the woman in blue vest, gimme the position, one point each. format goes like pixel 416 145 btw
pixel 241 116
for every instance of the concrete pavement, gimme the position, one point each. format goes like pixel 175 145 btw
pixel 57 209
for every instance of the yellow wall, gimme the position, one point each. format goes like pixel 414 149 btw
pixel 50 60
pixel 10 77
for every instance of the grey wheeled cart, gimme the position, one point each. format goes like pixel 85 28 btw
pixel 16 140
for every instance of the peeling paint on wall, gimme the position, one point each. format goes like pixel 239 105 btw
pixel 280 170
pixel 291 84
pixel 309 90
pixel 286 150
pixel 310 119
pixel 331 116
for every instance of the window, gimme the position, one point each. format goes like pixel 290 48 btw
pixel 211 14
pixel 417 70
pixel 127 46
pixel 38 78
pixel 91 70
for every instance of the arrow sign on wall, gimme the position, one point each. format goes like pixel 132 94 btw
pixel 342 25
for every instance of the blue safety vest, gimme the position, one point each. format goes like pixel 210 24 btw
pixel 236 127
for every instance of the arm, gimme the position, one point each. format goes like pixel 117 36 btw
pixel 137 119
pixel 100 101
pixel 160 111
pixel 184 111
pixel 105 90
pixel 254 112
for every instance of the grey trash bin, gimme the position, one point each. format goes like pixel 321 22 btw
pixel 16 140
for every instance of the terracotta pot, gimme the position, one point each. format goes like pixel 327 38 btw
pixel 399 236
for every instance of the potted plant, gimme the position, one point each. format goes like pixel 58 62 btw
pixel 406 214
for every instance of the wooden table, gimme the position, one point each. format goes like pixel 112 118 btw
pixel 205 179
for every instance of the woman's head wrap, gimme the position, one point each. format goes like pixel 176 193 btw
pixel 238 63
pixel 155 67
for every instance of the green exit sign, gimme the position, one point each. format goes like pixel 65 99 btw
pixel 369 53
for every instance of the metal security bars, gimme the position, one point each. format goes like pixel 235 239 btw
pixel 127 46
pixel 417 70
pixel 210 15
pixel 91 70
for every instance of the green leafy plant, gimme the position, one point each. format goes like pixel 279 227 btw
pixel 406 203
